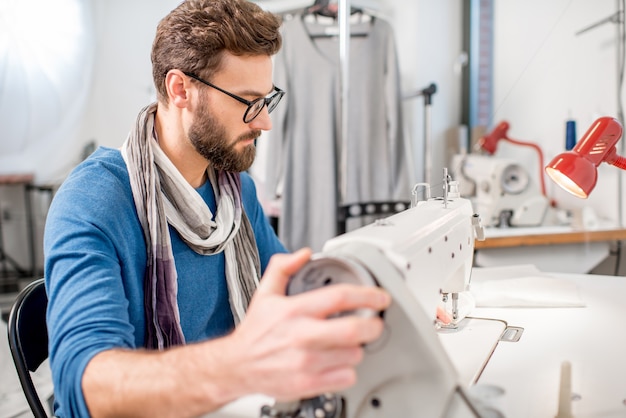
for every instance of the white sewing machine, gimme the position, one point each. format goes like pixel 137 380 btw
pixel 416 255
pixel 501 190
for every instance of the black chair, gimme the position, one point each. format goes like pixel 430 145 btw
pixel 28 339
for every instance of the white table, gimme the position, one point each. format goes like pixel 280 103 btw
pixel 528 371
pixel 591 338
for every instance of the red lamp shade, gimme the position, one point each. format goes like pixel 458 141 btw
pixel 576 170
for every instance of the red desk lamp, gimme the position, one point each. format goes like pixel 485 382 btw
pixel 490 143
pixel 576 170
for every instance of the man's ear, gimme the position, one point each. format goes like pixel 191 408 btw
pixel 177 85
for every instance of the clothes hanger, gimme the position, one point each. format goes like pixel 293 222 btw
pixel 328 9
pixel 322 19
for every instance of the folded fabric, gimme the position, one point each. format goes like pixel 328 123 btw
pixel 530 292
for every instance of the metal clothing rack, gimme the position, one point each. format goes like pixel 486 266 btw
pixel 343 17
pixel 344 81
pixel 427 93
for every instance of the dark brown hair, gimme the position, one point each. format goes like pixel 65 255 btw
pixel 194 35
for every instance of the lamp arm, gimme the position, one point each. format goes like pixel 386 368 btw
pixel 539 153
pixel 619 162
pixel 612 157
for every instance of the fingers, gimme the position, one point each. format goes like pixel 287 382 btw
pixel 322 371
pixel 308 386
pixel 325 360
pixel 280 268
pixel 343 332
pixel 322 302
pixel 330 371
pixel 335 380
pixel 330 300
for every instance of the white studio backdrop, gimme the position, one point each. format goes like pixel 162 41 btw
pixel 46 60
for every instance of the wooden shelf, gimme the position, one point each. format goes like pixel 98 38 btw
pixel 572 237
pixel 19 178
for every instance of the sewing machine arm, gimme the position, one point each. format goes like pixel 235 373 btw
pixel 416 256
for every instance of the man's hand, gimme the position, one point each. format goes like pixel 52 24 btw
pixel 288 349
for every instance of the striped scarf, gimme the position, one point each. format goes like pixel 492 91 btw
pixel 162 195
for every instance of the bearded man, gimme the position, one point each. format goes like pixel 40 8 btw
pixel 153 252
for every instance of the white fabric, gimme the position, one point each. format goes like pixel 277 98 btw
pixel 522 287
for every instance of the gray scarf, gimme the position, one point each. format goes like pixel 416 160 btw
pixel 162 195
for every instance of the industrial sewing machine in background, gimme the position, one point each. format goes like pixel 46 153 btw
pixel 501 191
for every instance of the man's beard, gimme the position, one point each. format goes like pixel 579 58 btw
pixel 208 136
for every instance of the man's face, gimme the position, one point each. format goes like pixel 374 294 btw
pixel 218 131
pixel 211 140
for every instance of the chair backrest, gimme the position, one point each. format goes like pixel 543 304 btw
pixel 28 339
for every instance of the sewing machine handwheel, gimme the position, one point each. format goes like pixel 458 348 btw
pixel 514 179
pixel 324 271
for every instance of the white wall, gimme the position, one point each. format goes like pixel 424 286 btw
pixel 544 74
pixel 122 76
pixel 120 86
pixel 428 35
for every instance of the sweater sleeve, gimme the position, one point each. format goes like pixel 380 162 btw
pixel 88 305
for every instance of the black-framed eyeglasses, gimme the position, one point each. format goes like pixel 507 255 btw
pixel 255 106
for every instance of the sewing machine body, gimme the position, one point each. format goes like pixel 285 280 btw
pixel 501 190
pixel 415 255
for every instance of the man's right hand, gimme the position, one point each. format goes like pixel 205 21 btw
pixel 285 348
pixel 288 349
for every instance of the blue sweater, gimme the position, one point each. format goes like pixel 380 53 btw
pixel 95 258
